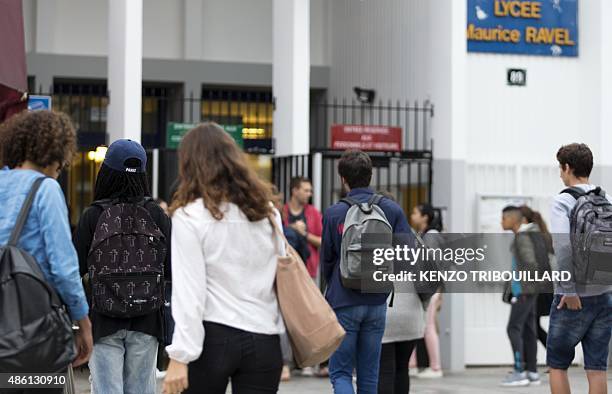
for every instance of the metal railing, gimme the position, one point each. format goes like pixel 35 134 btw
pixel 413 118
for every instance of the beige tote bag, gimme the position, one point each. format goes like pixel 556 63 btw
pixel 312 326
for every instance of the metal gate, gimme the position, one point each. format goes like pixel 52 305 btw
pixel 406 175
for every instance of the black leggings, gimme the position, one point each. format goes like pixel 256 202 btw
pixel 393 373
pixel 421 354
pixel 253 362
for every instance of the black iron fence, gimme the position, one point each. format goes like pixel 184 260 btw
pixel 406 177
pixel 405 174
pixel 413 118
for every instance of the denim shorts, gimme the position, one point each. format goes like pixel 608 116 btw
pixel 591 326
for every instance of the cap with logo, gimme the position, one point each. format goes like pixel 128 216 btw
pixel 120 151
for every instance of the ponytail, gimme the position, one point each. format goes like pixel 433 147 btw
pixel 434 218
pixel 535 217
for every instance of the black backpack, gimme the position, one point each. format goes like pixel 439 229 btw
pixel 591 236
pixel 35 330
pixel 126 261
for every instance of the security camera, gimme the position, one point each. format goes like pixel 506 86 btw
pixel 365 96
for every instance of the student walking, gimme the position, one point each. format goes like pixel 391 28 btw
pixel 428 223
pixel 362 315
pixel 122 240
pixel 304 219
pixel 404 328
pixel 580 312
pixel 224 262
pixel 36 146
pixel 544 296
pixel 522 297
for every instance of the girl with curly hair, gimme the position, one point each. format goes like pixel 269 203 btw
pixel 37 145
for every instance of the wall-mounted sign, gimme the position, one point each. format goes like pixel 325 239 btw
pixel 367 138
pixel 545 27
pixel 36 103
pixel 176 131
pixel 516 77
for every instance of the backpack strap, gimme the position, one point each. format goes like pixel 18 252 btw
pixel 108 202
pixel 375 199
pixel 574 191
pixel 103 204
pixel 577 192
pixel 599 191
pixel 24 212
pixel 350 201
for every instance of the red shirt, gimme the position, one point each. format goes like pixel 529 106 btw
pixel 314 224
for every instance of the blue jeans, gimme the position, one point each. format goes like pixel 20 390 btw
pixel 124 363
pixel 360 349
pixel 591 326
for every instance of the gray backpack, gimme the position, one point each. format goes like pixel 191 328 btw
pixel 356 263
pixel 591 236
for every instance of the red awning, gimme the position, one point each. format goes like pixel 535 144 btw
pixel 12 46
pixel 13 77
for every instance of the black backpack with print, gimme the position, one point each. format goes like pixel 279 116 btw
pixel 126 261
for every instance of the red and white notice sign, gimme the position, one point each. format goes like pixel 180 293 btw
pixel 370 138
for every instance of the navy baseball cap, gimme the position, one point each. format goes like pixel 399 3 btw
pixel 122 150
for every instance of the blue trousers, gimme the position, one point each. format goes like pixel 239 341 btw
pixel 360 349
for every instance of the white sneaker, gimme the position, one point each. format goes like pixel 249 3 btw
pixel 308 371
pixel 534 378
pixel 429 373
pixel 413 372
pixel 515 379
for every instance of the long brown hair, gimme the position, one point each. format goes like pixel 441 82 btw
pixel 212 167
pixel 535 217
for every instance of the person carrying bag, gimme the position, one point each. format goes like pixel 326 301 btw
pixel 312 325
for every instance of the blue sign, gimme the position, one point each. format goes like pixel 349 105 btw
pixel 36 103
pixel 544 27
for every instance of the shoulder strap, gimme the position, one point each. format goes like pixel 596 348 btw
pixel 375 199
pixel 574 191
pixel 350 201
pixel 145 201
pixel 103 204
pixel 279 234
pixel 25 210
pixel 599 191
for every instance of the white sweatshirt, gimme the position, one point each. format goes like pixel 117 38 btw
pixel 223 271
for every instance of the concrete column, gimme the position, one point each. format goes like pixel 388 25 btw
pixel 447 62
pixel 291 76
pixel 124 69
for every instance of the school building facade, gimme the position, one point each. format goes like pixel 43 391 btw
pixel 475 97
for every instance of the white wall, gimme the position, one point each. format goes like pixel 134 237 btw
pixel 559 105
pixel 162 29
pixel 79 27
pixel 230 30
pixel 377 44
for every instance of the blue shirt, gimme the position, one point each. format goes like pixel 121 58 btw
pixel 333 222
pixel 46 234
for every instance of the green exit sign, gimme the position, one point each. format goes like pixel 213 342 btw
pixel 176 131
